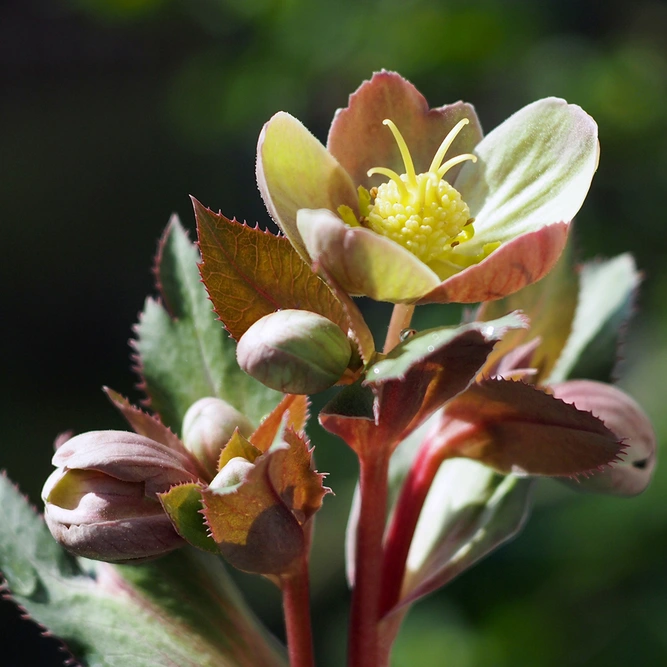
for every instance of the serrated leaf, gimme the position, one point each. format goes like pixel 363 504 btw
pixel 180 615
pixel 422 347
pixel 291 472
pixel 291 412
pixel 417 377
pixel 514 427
pixel 183 353
pixel 470 511
pixel 250 273
pixel 183 505
pixel 424 372
pixel 606 298
pixel 253 528
pixel 145 424
pixel 625 418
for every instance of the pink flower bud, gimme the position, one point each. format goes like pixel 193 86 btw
pixel 207 427
pixel 101 501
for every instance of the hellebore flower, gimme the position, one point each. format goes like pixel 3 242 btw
pixel 101 501
pixel 458 218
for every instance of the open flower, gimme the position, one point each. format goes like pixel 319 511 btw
pixel 411 205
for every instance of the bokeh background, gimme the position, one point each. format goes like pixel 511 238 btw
pixel 114 111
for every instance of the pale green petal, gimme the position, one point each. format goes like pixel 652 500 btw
pixel 294 170
pixel 363 262
pixel 534 169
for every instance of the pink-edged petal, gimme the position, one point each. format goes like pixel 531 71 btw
pixel 534 169
pixel 359 141
pixel 362 262
pixel 294 171
pixel 128 457
pixel 520 262
pixel 623 416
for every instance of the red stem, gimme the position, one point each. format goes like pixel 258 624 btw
pixel 403 525
pixel 365 612
pixel 296 607
pixel 436 448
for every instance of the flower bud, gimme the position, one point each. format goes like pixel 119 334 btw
pixel 623 417
pixel 207 427
pixel 234 472
pixel 294 351
pixel 101 501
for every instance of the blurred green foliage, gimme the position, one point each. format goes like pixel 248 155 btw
pixel 115 110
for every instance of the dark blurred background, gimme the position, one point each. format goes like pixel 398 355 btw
pixel 114 111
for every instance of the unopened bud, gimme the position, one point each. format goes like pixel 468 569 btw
pixel 207 427
pixel 102 503
pixel 234 472
pixel 624 417
pixel 294 351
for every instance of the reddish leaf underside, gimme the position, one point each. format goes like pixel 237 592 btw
pixel 250 273
pixel 522 429
pixel 145 424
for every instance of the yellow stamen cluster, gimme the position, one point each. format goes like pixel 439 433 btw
pixel 421 212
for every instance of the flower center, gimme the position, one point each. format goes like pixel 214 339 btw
pixel 421 212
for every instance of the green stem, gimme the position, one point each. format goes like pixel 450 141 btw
pixel 365 612
pixel 401 317
pixel 296 607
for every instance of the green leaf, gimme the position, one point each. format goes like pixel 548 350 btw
pixel 419 349
pixel 469 511
pixel 606 299
pixel 250 273
pixel 183 505
pixel 177 611
pixel 183 353
pixel 550 305
pixel 238 446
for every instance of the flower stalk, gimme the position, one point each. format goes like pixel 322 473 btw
pixel 296 609
pixel 365 612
